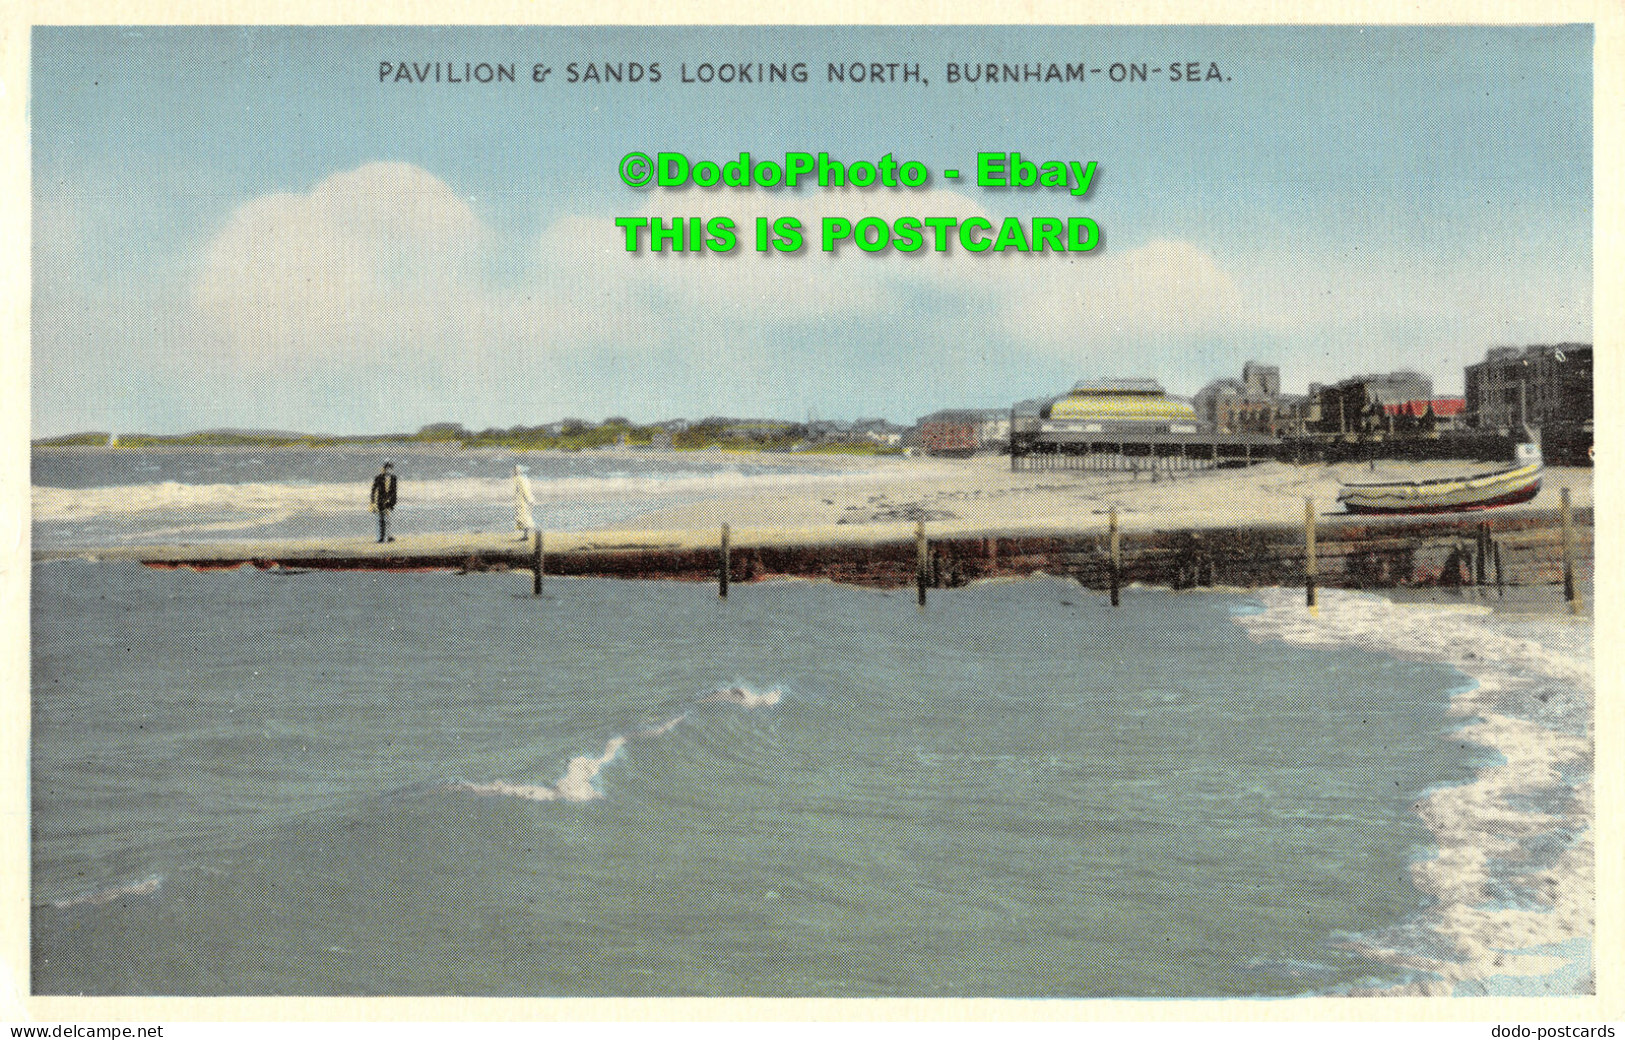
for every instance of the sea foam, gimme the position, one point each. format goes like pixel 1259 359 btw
pixel 575 786
pixel 743 697
pixel 145 887
pixel 1513 875
pixel 577 783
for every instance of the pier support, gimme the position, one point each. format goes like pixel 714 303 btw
pixel 1311 566
pixel 722 565
pixel 536 563
pixel 1570 593
pixel 922 560
pixel 1117 559
pixel 1481 555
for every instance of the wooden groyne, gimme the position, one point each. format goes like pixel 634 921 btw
pixel 1516 549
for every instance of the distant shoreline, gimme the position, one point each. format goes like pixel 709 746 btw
pixel 838 451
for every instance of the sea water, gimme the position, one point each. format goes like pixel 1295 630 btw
pixel 89 498
pixel 251 782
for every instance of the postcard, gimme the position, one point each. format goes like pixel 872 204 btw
pixel 1041 515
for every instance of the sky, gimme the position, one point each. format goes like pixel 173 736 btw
pixel 247 228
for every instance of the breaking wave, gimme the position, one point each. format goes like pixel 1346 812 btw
pixel 145 887
pixel 575 786
pixel 577 783
pixel 1513 877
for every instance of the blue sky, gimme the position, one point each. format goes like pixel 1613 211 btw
pixel 244 227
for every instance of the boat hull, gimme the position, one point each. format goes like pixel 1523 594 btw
pixel 1464 495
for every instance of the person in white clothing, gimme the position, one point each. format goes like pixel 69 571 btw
pixel 523 499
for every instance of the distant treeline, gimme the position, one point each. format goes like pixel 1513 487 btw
pixel 571 435
pixel 575 436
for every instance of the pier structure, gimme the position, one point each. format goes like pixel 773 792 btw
pixel 1526 548
pixel 1065 449
pixel 1125 424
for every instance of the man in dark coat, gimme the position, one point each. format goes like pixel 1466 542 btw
pixel 383 500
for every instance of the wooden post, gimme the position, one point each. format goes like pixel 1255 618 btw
pixel 1569 592
pixel 536 565
pixel 922 560
pixel 1310 564
pixel 722 565
pixel 1117 558
pixel 1500 587
pixel 1480 564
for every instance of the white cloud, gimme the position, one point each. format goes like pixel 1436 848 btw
pixel 370 262
pixel 1163 290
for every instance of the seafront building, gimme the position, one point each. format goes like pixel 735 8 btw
pixel 1546 389
pixel 1253 404
pixel 1540 386
pixel 1261 378
pixel 962 432
pixel 1124 424
pixel 1356 404
pixel 1227 404
pixel 1426 415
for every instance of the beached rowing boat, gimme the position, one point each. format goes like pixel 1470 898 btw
pixel 1450 494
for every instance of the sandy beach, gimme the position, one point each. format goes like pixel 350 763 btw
pixel 823 500
pixel 983 495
